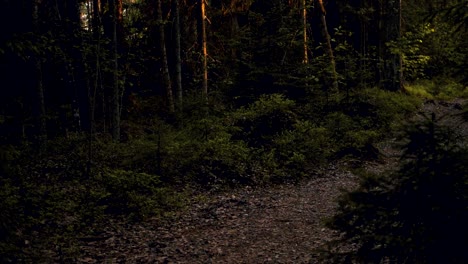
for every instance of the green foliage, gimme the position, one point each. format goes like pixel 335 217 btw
pixel 443 89
pixel 9 221
pixel 266 118
pixel 35 200
pixel 267 126
pixel 456 13
pixel 415 62
pixel 210 162
pixel 52 200
pixel 417 214
pixel 420 90
pixel 269 117
pixel 433 44
pixel 303 146
pixel 349 137
pixel 132 194
pixel 364 117
pixel 388 108
pixel 349 62
pixel 11 212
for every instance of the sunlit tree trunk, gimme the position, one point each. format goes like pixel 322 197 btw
pixel 400 55
pixel 329 47
pixel 165 66
pixel 178 61
pixel 205 52
pixel 40 112
pixel 304 33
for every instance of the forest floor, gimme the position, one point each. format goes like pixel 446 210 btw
pixel 275 224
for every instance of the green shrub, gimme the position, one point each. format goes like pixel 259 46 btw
pixel 364 117
pixel 9 195
pixel 217 160
pixel 283 146
pixel 266 118
pixel 41 201
pixel 443 89
pixel 420 90
pixel 53 199
pixel 381 109
pixel 417 214
pixel 351 136
pixel 137 195
pixel 304 146
pixel 10 219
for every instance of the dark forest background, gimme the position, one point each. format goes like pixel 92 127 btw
pixel 124 108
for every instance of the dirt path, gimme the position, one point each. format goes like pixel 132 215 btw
pixel 279 224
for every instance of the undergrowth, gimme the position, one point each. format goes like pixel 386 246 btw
pixel 443 89
pixel 80 183
pixel 416 214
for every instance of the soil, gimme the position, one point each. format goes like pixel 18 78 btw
pixel 275 224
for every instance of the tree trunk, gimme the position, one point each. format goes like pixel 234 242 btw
pixel 40 113
pixel 391 62
pixel 96 17
pixel 235 55
pixel 115 105
pixel 165 67
pixel 205 52
pixel 97 74
pixel 329 47
pixel 178 61
pixel 304 33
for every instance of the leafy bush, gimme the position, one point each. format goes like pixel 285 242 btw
pixel 417 214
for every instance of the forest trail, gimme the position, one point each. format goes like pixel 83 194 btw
pixel 277 224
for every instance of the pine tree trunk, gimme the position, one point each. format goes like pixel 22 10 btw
pixel 329 48
pixel 40 112
pixel 391 74
pixel 115 105
pixel 178 61
pixel 165 66
pixel 40 106
pixel 97 73
pixel 234 33
pixel 304 33
pixel 96 18
pixel 205 52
